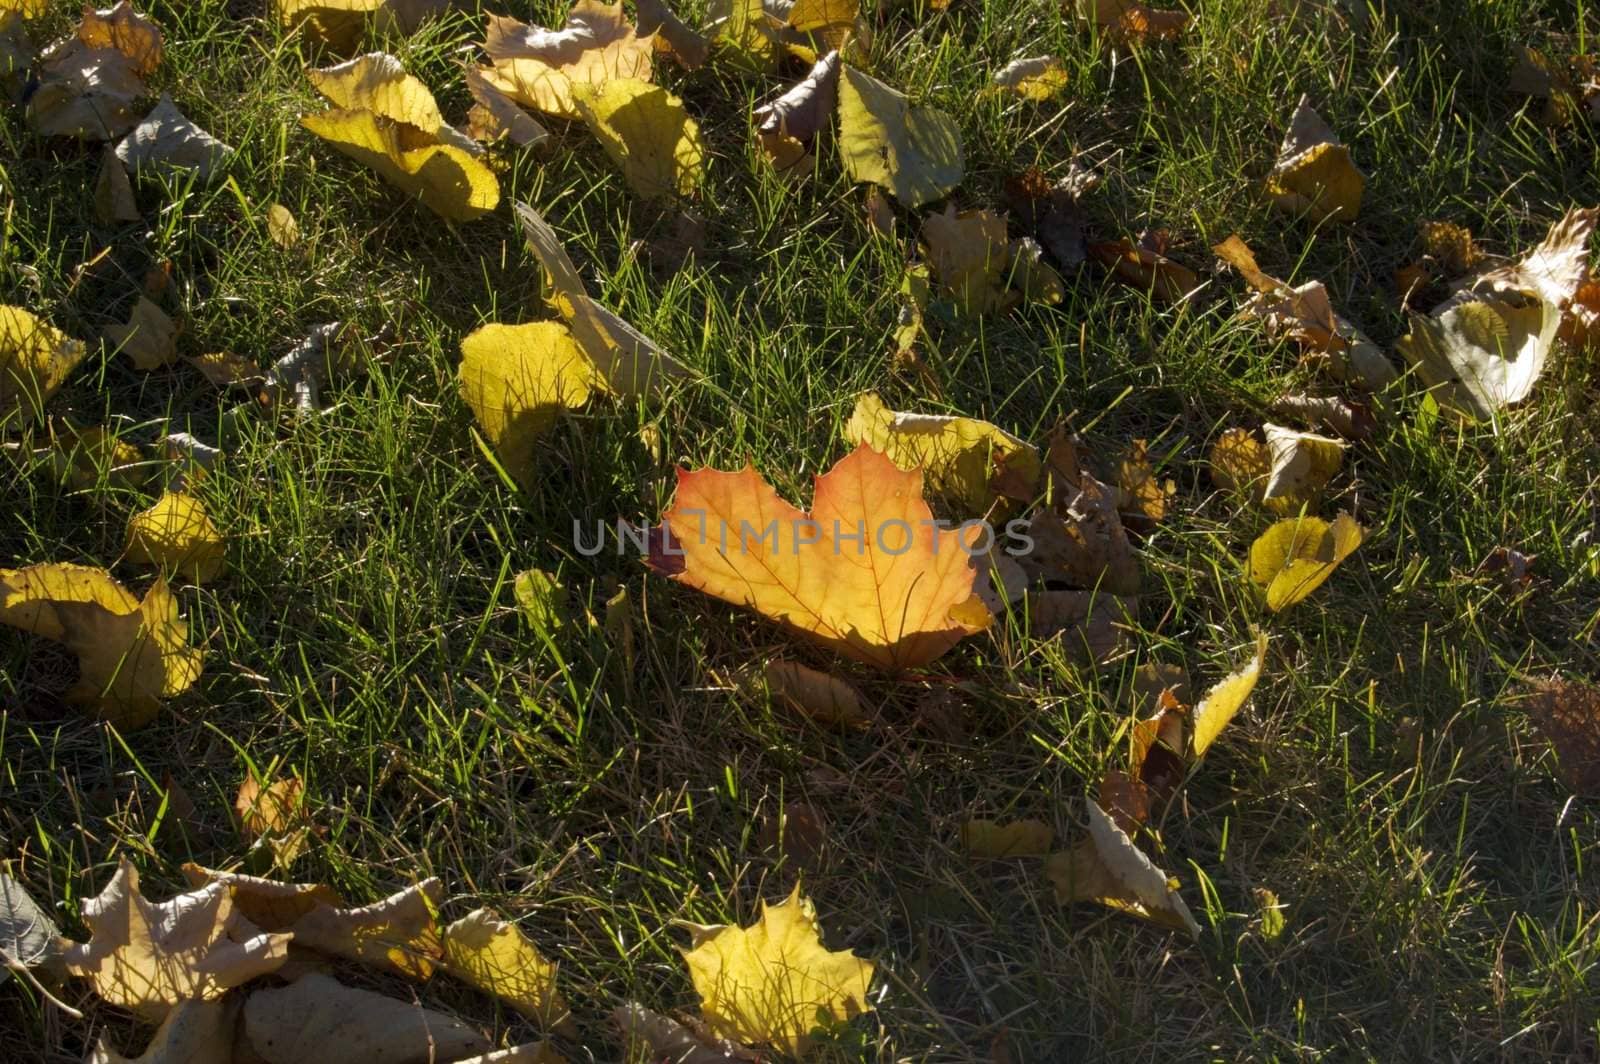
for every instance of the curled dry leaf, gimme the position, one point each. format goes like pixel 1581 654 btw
pixel 672 35
pixel 88 84
pixel 1084 544
pixel 961 458
pixel 819 695
pixel 194 1032
pixel 1450 245
pixel 1139 491
pixel 788 126
pixel 1351 419
pixel 992 840
pixel 309 366
pixel 865 573
pixel 35 360
pixel 1131 22
pixel 1292 558
pixel 148 337
pixel 1300 466
pixel 1567 714
pixel 1146 267
pixel 767 984
pixel 177 536
pixel 494 114
pixel 540 68
pixel 340 24
pixel 267 903
pixel 148 956
pixel 1314 173
pixel 1050 211
pixel 166 141
pixel 277 814
pixel 319 1018
pixel 498 959
pixel 913 151
pixel 1481 353
pixel 1038 79
pixel 1306 315
pixel 629 362
pixel 1110 869
pixel 1514 568
pixel 132 652
pixel 674 1041
pixel 517 379
pixel 647 132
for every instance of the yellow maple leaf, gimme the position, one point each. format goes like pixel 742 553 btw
pixel 914 152
pixel 446 177
pixel 177 535
pixel 517 379
pixel 866 572
pixel 35 359
pixel 131 652
pixel 1223 702
pixel 540 68
pixel 959 456
pixel 149 956
pixel 767 984
pixel 648 134
pixel 1314 173
pixel 1293 557
pixel 498 959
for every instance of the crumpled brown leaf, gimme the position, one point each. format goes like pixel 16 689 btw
pixel 1110 869
pixel 148 956
pixel 90 82
pixel 1567 713
pixel 1145 266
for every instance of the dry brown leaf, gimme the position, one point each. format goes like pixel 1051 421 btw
pixel 147 956
pixel 88 84
pixel 1110 869
pixel 539 68
pixel 1314 173
pixel 1352 419
pixel 674 1041
pixel 267 903
pixel 819 695
pixel 1139 491
pixel 1084 545
pixel 317 1018
pixel 1567 713
pixel 494 114
pixel 1143 267
pixel 148 337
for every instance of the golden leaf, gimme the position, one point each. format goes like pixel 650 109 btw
pixel 865 573
pixel 148 337
pixel 446 177
pixel 35 359
pixel 149 956
pixel 25 8
pixel 969 253
pixel 1131 22
pixel 1293 557
pixel 339 24
pixel 1301 466
pixel 131 652
pixel 1223 702
pixel 1314 173
pixel 178 536
pixel 517 379
pixel 1451 244
pixel 914 152
pixel 87 457
pixel 991 840
pixel 630 362
pixel 648 134
pixel 498 959
pixel 1037 79
pixel 495 114
pixel 1109 869
pixel 540 68
pixel 767 984
pixel 958 456
pixel 1138 489
pixel 378 82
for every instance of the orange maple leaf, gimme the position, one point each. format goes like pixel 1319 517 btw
pixel 867 572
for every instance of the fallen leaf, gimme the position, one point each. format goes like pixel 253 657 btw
pixel 1109 869
pixel 1292 558
pixel 671 1040
pixel 131 652
pixel 177 536
pixel 147 956
pixel 88 83
pixel 798 831
pixel 1093 625
pixel 630 363
pixel 1125 798
pixel 746 34
pixel 35 360
pixel 167 141
pixel 1567 714
pixel 672 35
pixel 898 598
pixel 194 1032
pixel 991 840
pixel 540 68
pixel 1083 545
pixel 788 126
pixel 270 810
pixel 1351 419
pixel 148 337
pixel 913 151
pixel 1038 79
pixel 1451 245
pixel 542 599
pixel 495 114
pixel 1481 353
pixel 28 935
pixel 969 252
pixel 282 229
pixel 1555 269
pixel 114 202
pixel 498 959
pixel 1271 909
pixel 916 292
pixel 267 903
pixel 1050 212
pixel 832 22
pixel 1514 568
pixel 1139 491
pixel 317 1018
pixel 308 367
pixel 960 457
pixel 339 24
pixel 1223 702
pixel 1314 173
pixel 517 380
pixel 647 132
pixel 1131 22
pixel 1143 267
pixel 225 369
pixel 1300 466
pixel 767 984
pixel 1034 279
pixel 94 456
pixel 821 696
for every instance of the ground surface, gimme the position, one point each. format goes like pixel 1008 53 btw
pixel 1438 882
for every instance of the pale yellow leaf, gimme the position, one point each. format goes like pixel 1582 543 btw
pixel 913 151
pixel 517 379
pixel 498 959
pixel 35 360
pixel 992 840
pixel 1293 557
pixel 148 337
pixel 1223 702
pixel 177 536
pixel 648 134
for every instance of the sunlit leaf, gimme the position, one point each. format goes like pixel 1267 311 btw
pixel 648 134
pixel 35 360
pixel 1224 700
pixel 177 536
pixel 448 179
pixel 166 140
pixel 540 68
pixel 1293 557
pixel 1314 173
pixel 913 151
pixel 1110 869
pixel 498 959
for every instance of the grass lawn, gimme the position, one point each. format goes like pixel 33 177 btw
pixel 1437 881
